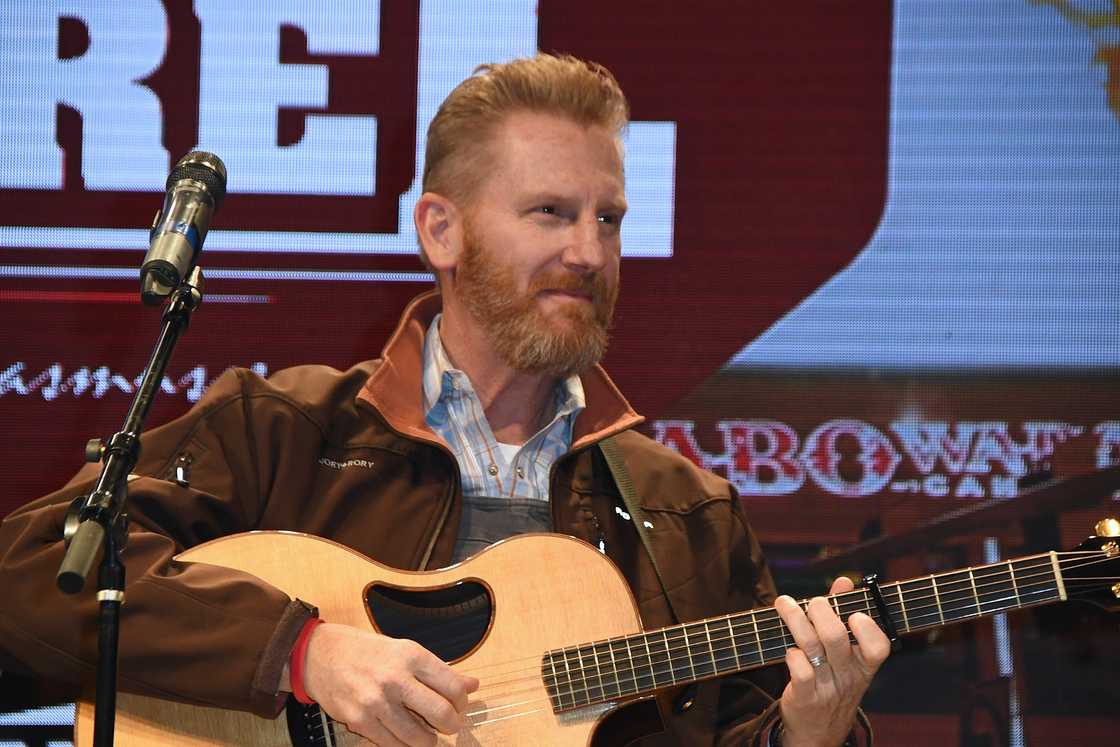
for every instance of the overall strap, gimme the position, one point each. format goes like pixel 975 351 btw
pixel 625 485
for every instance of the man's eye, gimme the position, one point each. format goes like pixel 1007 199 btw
pixel 610 219
pixel 547 209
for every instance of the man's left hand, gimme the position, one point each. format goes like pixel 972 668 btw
pixel 828 675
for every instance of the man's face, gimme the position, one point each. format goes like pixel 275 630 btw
pixel 539 268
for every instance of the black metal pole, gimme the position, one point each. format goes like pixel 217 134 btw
pixel 100 523
pixel 110 595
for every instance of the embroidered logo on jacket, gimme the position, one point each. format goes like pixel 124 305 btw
pixel 368 464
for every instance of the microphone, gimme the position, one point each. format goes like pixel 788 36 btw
pixel 195 190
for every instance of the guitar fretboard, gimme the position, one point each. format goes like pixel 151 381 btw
pixel 639 664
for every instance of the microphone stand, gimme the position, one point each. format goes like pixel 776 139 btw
pixel 99 521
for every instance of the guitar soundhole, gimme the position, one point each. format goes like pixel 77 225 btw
pixel 450 621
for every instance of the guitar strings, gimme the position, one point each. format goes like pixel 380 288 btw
pixel 626 690
pixel 1027 582
pixel 846 605
pixel 862 604
pixel 580 670
pixel 605 692
pixel 610 681
pixel 1086 558
pixel 1028 587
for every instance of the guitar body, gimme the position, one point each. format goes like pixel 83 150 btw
pixel 539 592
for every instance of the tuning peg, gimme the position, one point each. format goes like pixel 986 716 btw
pixel 1109 527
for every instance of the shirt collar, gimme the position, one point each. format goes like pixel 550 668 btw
pixel 391 389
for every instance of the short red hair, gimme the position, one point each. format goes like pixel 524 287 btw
pixel 455 156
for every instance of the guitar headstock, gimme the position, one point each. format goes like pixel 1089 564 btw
pixel 1095 576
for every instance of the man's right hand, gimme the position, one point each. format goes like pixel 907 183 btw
pixel 391 691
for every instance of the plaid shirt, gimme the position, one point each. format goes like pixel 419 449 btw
pixel 454 413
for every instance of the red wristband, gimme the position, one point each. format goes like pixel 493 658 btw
pixel 298 658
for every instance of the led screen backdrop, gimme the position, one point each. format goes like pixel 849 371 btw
pixel 870 267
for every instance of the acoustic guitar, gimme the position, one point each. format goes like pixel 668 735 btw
pixel 550 627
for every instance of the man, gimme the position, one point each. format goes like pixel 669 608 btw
pixel 486 399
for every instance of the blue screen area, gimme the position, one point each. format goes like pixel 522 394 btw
pixel 1000 242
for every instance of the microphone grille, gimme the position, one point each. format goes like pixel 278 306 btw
pixel 205 168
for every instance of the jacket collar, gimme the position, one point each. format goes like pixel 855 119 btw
pixel 395 391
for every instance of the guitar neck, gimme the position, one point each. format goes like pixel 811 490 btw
pixel 640 664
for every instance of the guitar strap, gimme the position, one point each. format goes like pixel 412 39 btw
pixel 625 485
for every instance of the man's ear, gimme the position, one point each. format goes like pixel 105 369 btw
pixel 439 226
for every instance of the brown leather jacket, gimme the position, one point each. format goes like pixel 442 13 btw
pixel 347 455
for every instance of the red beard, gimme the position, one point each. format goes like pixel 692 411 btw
pixel 559 344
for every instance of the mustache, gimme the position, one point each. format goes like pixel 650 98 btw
pixel 593 284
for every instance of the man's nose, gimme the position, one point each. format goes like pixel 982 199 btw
pixel 588 250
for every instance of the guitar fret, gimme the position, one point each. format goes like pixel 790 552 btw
pixel 652 669
pixel 556 682
pixel 583 679
pixel 742 638
pixel 626 664
pixel 734 646
pixel 668 659
pixel 605 662
pixel 571 683
pixel 591 697
pixel 1047 588
pixel 996 589
pixel 618 660
pixel 705 661
pixel 614 667
pixel 937 599
pixel 609 682
pixel 675 659
pixel 1014 584
pixel 711 649
pixel 577 678
pixel 902 607
pixel 687 660
pixel 660 669
pixel 975 593
pixel 688 647
pixel 782 636
pixel 573 674
pixel 955 594
pixel 633 667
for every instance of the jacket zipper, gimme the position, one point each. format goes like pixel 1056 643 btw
pixel 455 489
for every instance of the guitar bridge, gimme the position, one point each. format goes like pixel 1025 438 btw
pixel 1111 549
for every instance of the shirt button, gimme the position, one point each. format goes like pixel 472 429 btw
pixel 521 473
pixel 493 470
